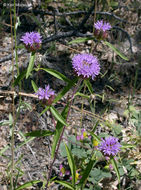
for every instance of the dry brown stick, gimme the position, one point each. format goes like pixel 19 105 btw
pixel 6 93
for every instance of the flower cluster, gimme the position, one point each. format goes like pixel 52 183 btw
pixel 83 135
pixel 86 65
pixel 32 41
pixel 46 94
pixel 101 29
pixel 110 146
pixel 63 171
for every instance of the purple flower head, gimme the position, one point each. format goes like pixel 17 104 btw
pixel 63 171
pixel 103 26
pixel 45 94
pixel 83 135
pixel 110 146
pixel 86 65
pixel 32 40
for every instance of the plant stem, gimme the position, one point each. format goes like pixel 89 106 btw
pixel 61 136
pixel 82 105
pixel 13 107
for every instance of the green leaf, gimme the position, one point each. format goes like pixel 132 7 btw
pixel 80 153
pixel 116 168
pixel 10 119
pixel 87 171
pixel 25 142
pixel 56 74
pixel 31 64
pixel 58 116
pixel 81 40
pixel 116 50
pixel 71 164
pixel 3 150
pixel 44 110
pixel 35 87
pixel 82 95
pixel 59 128
pixel 95 136
pixel 28 184
pixel 19 78
pixel 39 133
pixel 89 86
pixel 117 129
pixel 124 146
pixel 65 90
pixel 61 94
pixel 65 184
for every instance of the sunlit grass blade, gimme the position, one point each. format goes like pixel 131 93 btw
pixel 31 64
pixel 115 168
pixel 65 184
pixel 39 133
pixel 57 115
pixel 116 50
pixel 71 164
pixel 56 74
pixel 59 128
pixel 28 184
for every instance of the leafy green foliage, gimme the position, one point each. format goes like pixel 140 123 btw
pixel 39 133
pixel 116 51
pixel 31 65
pixel 27 184
pixel 59 129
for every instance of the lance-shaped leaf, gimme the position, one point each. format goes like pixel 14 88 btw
pixel 57 115
pixel 87 171
pixel 71 164
pixel 28 184
pixel 65 90
pixel 62 93
pixel 39 133
pixel 95 136
pixel 59 128
pixel 19 78
pixel 81 40
pixel 56 74
pixel 31 64
pixel 35 87
pixel 116 50
pixel 115 168
pixel 89 86
pixel 65 184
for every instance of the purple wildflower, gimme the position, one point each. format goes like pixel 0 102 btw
pixel 32 40
pixel 40 93
pixel 86 65
pixel 63 171
pixel 103 26
pixel 110 146
pixel 83 135
pixel 45 94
